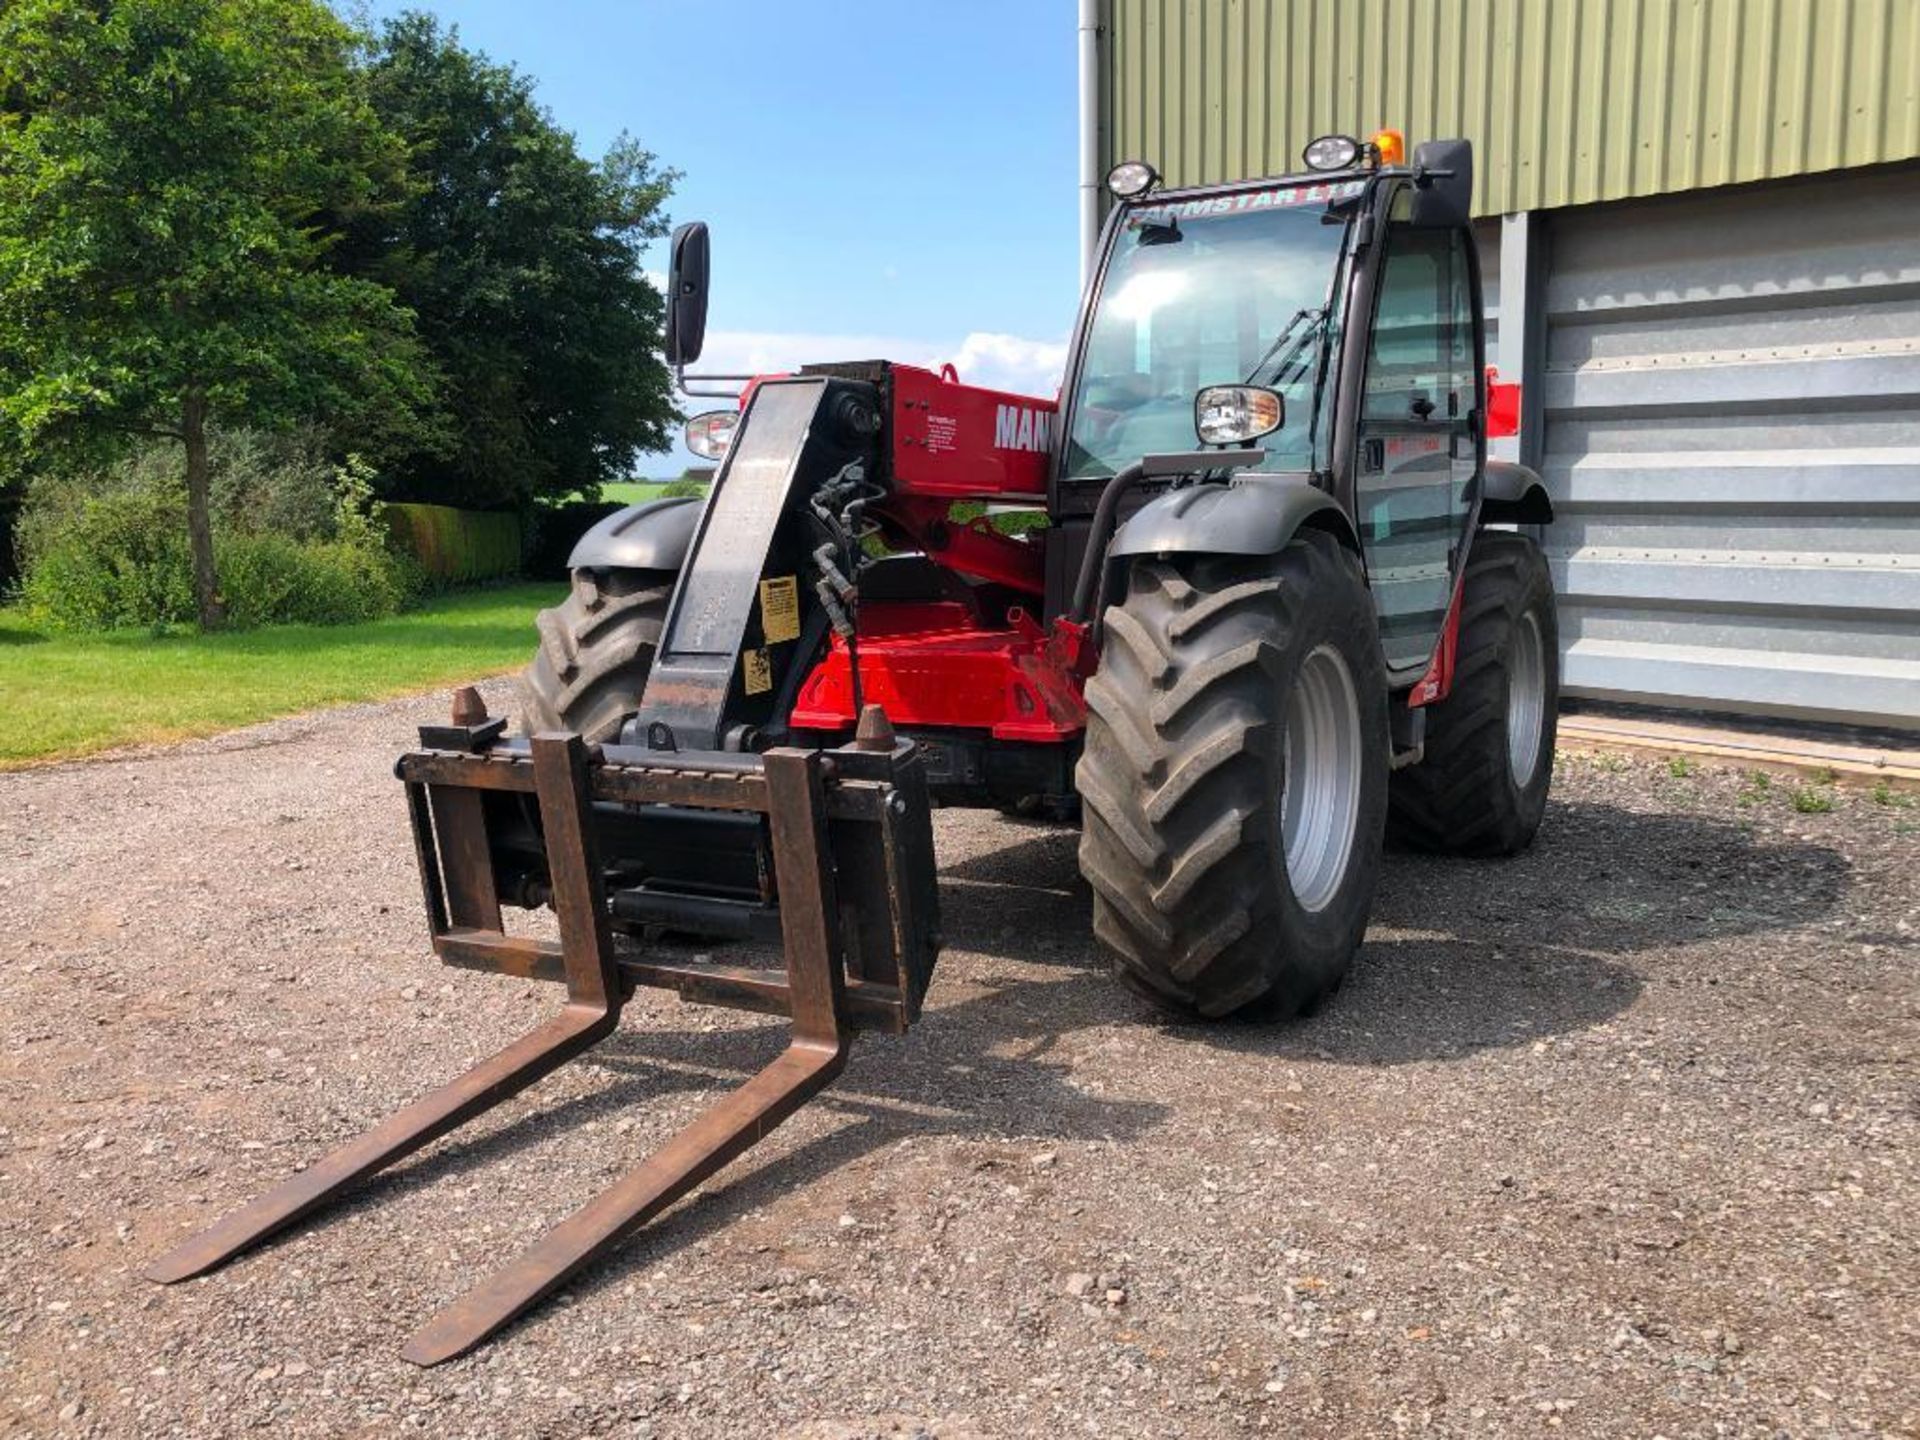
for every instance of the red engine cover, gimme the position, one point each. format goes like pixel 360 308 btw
pixel 930 665
pixel 967 442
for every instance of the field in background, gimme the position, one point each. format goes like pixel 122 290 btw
pixel 69 695
pixel 632 492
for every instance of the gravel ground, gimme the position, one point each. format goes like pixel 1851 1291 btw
pixel 1615 1139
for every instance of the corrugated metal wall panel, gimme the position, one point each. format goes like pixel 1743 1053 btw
pixel 1732 407
pixel 1567 101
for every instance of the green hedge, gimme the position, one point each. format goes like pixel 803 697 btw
pixel 456 546
pixel 121 560
pixel 109 560
pixel 268 578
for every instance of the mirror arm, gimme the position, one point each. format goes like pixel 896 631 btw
pixel 733 384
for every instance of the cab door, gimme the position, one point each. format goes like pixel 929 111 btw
pixel 1418 440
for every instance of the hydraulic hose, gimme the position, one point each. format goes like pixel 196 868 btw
pixel 1086 589
pixel 1093 558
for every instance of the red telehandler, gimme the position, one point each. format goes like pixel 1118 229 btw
pixel 1268 607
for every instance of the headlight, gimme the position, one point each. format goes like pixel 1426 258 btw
pixel 710 432
pixel 1235 414
pixel 1331 152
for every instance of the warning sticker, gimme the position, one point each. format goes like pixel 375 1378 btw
pixel 780 609
pixel 757 668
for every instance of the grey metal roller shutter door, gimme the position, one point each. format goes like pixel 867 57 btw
pixel 1732 439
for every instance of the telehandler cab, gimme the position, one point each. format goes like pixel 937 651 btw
pixel 1261 617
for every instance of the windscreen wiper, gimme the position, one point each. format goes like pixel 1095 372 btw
pixel 1305 314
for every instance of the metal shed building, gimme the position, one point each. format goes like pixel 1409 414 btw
pixel 1701 235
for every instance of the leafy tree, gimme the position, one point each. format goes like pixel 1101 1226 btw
pixel 172 174
pixel 520 259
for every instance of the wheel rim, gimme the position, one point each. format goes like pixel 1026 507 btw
pixel 1321 777
pixel 1526 698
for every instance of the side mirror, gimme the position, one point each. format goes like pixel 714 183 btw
pixel 687 294
pixel 1236 414
pixel 1442 184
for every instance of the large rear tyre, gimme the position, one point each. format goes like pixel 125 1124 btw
pixel 1481 787
pixel 596 648
pixel 1234 778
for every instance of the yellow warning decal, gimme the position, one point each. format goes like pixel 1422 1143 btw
pixel 757 667
pixel 780 609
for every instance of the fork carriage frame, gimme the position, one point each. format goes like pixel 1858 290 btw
pixel 852 863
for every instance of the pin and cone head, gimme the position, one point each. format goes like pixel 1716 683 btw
pixel 875 731
pixel 468 707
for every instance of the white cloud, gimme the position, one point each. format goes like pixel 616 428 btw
pixel 1011 362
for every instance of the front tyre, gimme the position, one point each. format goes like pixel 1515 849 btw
pixel 1234 778
pixel 596 648
pixel 1481 786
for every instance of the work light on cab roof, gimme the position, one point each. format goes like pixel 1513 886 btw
pixel 1131 179
pixel 1331 152
pixel 1344 152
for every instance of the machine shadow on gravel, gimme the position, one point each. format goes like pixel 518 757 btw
pixel 1553 929
pixel 1615 882
pixel 1026 903
pixel 979 1072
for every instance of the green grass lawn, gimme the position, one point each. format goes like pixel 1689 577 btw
pixel 632 492
pixel 66 695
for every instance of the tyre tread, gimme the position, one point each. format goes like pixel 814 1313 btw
pixel 1178 771
pixel 596 647
pixel 1460 799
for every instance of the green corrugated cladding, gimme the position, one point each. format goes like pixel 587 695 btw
pixel 1567 101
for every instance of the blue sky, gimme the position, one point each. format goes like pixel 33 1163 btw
pixel 884 180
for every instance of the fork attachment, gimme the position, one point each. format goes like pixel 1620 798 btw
pixel 846 836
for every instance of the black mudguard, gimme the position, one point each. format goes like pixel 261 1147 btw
pixel 653 535
pixel 1251 515
pixel 1514 495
